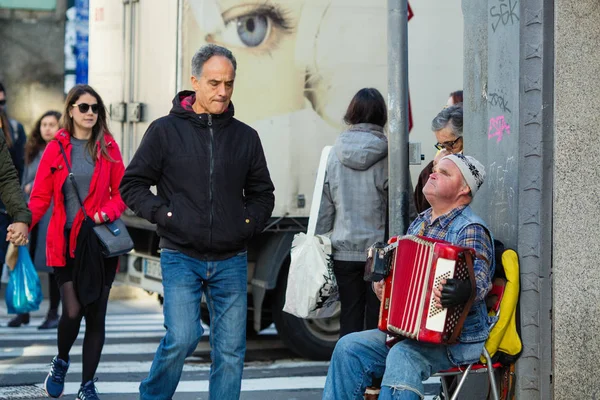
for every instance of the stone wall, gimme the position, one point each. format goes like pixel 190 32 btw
pixel 576 231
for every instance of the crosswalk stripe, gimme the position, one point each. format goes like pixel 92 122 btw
pixel 109 328
pixel 28 392
pixel 111 367
pixel 248 385
pixel 109 335
pixel 121 349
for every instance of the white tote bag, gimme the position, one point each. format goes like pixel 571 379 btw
pixel 312 291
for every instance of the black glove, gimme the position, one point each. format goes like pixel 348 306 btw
pixel 455 292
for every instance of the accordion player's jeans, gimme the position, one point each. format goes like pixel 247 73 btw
pixel 361 356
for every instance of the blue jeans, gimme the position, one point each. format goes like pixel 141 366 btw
pixel 224 284
pixel 361 356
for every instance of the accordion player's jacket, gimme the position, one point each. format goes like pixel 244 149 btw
pixel 476 327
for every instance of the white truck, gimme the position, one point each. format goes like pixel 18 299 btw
pixel 299 64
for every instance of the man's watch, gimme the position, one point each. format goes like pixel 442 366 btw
pixel 104 216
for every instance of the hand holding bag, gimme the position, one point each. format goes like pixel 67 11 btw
pixel 113 236
pixel 312 290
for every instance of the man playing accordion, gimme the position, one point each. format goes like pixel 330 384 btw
pixel 361 356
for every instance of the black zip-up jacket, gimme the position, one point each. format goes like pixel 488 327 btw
pixel 214 191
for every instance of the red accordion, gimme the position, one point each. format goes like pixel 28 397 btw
pixel 418 265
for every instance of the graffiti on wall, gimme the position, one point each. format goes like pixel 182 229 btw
pixel 503 13
pixel 498 128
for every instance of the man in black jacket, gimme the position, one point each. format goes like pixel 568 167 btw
pixel 214 192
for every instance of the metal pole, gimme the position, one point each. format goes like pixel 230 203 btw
pixel 398 115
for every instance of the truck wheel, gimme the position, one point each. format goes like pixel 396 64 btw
pixel 314 339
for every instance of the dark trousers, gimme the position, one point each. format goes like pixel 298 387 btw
pixel 360 306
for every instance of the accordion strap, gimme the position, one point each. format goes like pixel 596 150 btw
pixel 469 258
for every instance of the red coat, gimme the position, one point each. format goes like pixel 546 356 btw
pixel 51 175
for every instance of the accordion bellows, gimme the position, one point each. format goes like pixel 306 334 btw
pixel 419 264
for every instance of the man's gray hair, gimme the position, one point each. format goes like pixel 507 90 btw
pixel 205 53
pixel 451 117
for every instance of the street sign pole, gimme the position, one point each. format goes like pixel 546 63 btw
pixel 398 115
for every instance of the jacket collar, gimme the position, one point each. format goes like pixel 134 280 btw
pixel 182 107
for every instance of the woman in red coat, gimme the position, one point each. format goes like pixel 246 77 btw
pixel 97 167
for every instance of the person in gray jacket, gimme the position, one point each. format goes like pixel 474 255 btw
pixel 354 205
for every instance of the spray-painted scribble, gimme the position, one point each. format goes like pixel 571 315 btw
pixel 498 128
pixel 499 101
pixel 505 13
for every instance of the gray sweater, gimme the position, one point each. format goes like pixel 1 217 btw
pixel 82 166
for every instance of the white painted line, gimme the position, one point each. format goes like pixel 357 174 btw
pixel 144 366
pixel 32 328
pixel 131 348
pixel 109 335
pixel 248 385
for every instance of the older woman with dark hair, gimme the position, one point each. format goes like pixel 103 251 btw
pixel 447 127
pixel 354 205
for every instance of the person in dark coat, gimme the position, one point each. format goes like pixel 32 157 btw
pixel 12 197
pixel 44 131
pixel 14 139
pixel 213 193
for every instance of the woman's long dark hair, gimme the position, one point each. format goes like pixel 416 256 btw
pixel 367 106
pixel 98 130
pixel 36 142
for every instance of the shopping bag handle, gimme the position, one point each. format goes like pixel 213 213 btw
pixel 318 192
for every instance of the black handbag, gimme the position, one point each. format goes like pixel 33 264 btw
pixel 113 236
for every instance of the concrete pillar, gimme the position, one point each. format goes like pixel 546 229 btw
pixel 576 230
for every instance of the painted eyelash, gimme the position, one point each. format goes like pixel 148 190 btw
pixel 276 13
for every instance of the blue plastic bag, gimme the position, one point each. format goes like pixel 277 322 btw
pixel 23 292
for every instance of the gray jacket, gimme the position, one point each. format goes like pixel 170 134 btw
pixel 354 203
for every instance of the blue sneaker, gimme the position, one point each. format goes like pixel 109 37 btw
pixel 55 381
pixel 88 391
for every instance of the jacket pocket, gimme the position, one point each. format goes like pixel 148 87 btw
pixel 183 223
pixel 233 231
